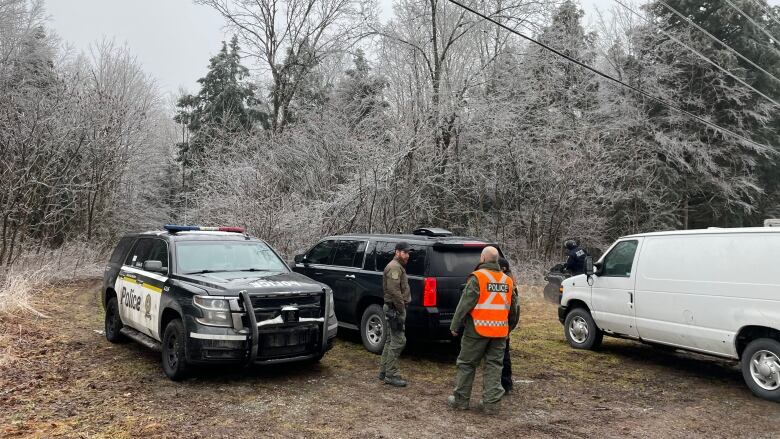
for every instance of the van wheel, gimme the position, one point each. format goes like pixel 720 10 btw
pixel 113 322
pixel 373 330
pixel 174 359
pixel 581 331
pixel 761 368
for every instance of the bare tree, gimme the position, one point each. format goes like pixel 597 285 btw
pixel 289 38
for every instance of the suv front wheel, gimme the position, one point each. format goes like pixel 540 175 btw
pixel 174 360
pixel 373 328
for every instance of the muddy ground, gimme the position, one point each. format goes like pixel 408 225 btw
pixel 59 377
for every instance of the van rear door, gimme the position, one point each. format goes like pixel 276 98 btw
pixel 613 289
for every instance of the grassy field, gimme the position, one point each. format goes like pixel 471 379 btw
pixel 59 377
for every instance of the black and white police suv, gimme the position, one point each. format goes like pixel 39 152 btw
pixel 186 291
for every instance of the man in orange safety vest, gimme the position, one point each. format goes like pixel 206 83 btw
pixel 487 310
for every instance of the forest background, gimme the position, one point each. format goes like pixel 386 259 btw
pixel 435 117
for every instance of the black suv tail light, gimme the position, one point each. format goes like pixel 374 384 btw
pixel 429 292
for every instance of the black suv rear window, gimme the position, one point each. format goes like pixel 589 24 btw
pixel 455 262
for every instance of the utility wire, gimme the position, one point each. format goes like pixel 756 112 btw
pixel 714 38
pixel 699 54
pixel 606 76
pixel 774 40
pixel 769 13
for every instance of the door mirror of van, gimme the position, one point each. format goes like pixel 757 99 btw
pixel 299 259
pixel 589 266
pixel 154 266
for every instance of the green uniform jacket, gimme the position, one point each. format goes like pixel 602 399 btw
pixel 395 285
pixel 469 299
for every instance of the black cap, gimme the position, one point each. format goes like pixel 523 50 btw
pixel 503 264
pixel 402 246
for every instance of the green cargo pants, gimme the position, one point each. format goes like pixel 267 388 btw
pixel 394 344
pixel 472 350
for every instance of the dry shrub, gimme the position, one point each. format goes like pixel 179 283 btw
pixel 35 271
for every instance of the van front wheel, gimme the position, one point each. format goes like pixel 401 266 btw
pixel 761 368
pixel 581 331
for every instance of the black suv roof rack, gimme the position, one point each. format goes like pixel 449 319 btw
pixel 431 231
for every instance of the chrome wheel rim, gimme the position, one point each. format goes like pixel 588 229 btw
pixel 374 329
pixel 765 369
pixel 578 329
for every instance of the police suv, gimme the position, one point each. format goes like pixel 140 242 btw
pixel 213 295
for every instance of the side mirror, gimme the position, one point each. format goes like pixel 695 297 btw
pixel 155 266
pixel 299 259
pixel 589 266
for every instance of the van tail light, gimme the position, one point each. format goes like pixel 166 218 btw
pixel 429 292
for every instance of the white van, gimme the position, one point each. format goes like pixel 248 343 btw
pixel 714 291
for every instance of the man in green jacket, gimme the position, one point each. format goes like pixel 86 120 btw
pixel 397 295
pixel 474 346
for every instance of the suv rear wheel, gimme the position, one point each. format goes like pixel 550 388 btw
pixel 113 322
pixel 581 331
pixel 372 328
pixel 761 368
pixel 174 359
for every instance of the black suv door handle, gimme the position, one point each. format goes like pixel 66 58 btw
pixel 349 276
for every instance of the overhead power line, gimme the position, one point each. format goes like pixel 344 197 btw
pixel 750 19
pixel 769 13
pixel 714 38
pixel 613 79
pixel 699 54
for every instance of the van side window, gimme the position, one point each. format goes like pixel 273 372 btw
pixel 321 253
pixel 619 261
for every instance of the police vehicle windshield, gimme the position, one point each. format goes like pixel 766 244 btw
pixel 214 257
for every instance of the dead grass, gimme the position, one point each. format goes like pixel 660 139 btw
pixel 64 380
pixel 33 272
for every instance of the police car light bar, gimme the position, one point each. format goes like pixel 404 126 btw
pixel 173 228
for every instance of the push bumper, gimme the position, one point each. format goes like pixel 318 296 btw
pixel 267 342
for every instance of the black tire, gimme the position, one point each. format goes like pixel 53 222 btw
pixel 113 322
pixel 586 335
pixel 373 331
pixel 314 360
pixel 753 366
pixel 174 358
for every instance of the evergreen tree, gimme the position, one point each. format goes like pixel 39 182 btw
pixel 225 106
pixel 717 184
pixel 359 95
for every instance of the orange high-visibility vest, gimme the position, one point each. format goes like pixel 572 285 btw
pixel 491 315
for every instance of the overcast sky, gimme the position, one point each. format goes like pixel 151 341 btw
pixel 173 39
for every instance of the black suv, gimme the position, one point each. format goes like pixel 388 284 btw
pixel 186 291
pixel 439 265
